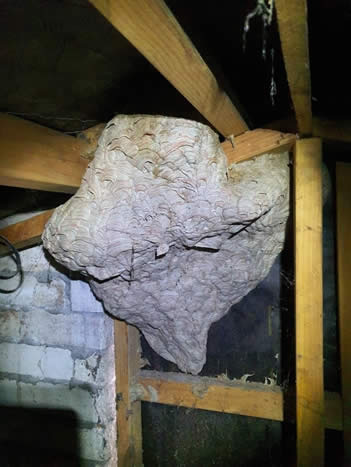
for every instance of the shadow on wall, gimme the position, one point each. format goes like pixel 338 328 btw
pixel 38 438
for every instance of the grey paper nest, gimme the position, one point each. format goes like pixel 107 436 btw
pixel 169 236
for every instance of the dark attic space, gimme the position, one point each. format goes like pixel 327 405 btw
pixel 174 233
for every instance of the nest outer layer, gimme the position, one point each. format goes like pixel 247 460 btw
pixel 168 235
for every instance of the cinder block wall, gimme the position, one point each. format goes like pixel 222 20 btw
pixel 57 377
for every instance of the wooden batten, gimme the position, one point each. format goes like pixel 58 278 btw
pixel 293 31
pixel 309 302
pixel 127 358
pixel 246 146
pixel 253 400
pixel 224 395
pixel 152 28
pixel 255 143
pixel 32 156
pixel 44 159
pixel 343 210
pixel 26 233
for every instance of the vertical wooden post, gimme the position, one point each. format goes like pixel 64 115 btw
pixel 129 441
pixel 309 303
pixel 343 200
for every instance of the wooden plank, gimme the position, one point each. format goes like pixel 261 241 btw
pixel 241 148
pixel 309 302
pixel 32 156
pixel 293 30
pixel 26 233
pixel 225 396
pixel 253 400
pixel 91 137
pixel 129 444
pixel 343 209
pixel 31 161
pixel 255 143
pixel 151 27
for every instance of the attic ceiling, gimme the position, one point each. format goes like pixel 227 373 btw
pixel 64 66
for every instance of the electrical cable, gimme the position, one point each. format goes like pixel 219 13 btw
pixel 17 259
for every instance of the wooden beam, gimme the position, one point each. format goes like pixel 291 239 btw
pixel 151 27
pixel 91 137
pixel 293 30
pixel 48 160
pixel 241 148
pixel 26 233
pixel 309 302
pixel 129 437
pixel 343 210
pixel 255 143
pixel 250 399
pixel 32 156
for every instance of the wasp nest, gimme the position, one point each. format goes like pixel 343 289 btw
pixel 168 235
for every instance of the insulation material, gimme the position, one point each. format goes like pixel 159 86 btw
pixel 168 235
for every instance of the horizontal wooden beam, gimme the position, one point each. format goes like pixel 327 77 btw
pixel 26 233
pixel 152 28
pixel 241 148
pixel 253 400
pixel 293 31
pixel 44 159
pixel 255 143
pixel 32 156
pixel 249 399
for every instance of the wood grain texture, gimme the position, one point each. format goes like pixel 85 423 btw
pixel 44 159
pixel 250 399
pixel 293 30
pixel 129 444
pixel 151 27
pixel 32 156
pixel 26 233
pixel 343 209
pixel 255 400
pixel 91 137
pixel 255 143
pixel 309 302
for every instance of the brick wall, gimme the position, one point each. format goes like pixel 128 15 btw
pixel 57 374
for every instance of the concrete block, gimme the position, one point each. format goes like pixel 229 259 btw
pixel 32 293
pixel 97 369
pixel 50 296
pixel 105 404
pixel 87 331
pixel 10 325
pixel 83 299
pixel 86 370
pixel 59 396
pixel 94 444
pixel 8 392
pixel 23 297
pixel 57 363
pixel 37 361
